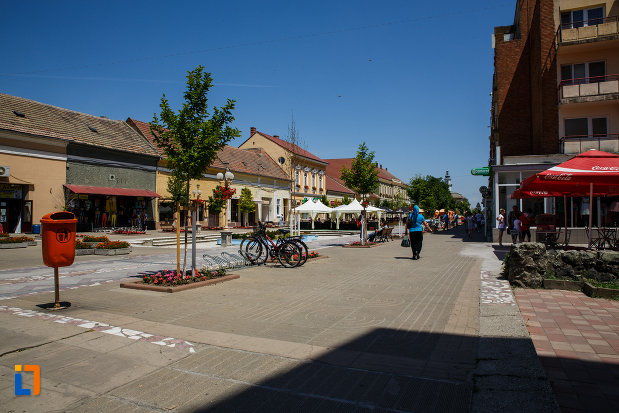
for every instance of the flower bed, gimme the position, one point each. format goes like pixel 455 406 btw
pixel 90 238
pixel 113 248
pixel 128 232
pixel 170 281
pixel 83 248
pixel 16 242
pixel 357 244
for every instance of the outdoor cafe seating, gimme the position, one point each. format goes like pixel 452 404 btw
pixel 603 238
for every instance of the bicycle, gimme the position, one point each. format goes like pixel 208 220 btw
pixel 260 247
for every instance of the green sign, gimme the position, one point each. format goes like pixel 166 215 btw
pixel 485 171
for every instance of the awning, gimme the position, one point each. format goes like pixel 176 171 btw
pixel 106 190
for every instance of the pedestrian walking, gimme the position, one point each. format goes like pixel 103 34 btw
pixel 515 231
pixel 501 225
pixel 470 223
pixel 446 221
pixel 415 224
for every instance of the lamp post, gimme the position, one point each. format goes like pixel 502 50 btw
pixel 194 216
pixel 226 234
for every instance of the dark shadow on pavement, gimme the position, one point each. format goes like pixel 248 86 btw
pixel 390 370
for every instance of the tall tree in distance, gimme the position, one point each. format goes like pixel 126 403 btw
pixel 430 193
pixel 362 177
pixel 191 138
pixel 292 159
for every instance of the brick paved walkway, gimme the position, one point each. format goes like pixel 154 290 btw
pixel 577 341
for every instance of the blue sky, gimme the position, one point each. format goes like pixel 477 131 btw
pixel 412 80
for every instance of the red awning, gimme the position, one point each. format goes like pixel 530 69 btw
pixel 590 173
pixel 106 190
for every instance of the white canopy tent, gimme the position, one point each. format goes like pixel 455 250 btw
pixel 313 208
pixel 354 208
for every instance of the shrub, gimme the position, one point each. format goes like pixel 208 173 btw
pixel 112 245
pixel 90 238
pixel 3 235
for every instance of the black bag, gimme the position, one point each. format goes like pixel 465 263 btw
pixel 509 230
pixel 405 242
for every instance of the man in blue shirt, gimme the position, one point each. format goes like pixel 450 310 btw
pixel 415 224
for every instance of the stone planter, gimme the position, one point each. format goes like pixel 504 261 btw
pixel 118 251
pixel 599 292
pixel 32 243
pixel 139 285
pixel 87 251
pixel 317 258
pixel 562 285
pixel 13 245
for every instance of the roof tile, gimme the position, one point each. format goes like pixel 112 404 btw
pixel 68 125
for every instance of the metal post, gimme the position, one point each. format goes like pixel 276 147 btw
pixel 56 289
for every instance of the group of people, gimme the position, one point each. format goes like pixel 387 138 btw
pixel 473 222
pixel 517 223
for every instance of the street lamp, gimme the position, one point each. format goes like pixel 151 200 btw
pixel 227 177
pixel 226 234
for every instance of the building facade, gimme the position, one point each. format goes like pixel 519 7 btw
pixel 555 95
pixel 390 188
pixel 252 169
pixel 95 167
pixel 305 170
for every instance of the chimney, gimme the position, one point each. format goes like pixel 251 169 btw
pixel 276 136
pixel 381 166
pixel 252 131
pixel 385 168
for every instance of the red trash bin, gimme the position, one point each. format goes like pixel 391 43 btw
pixel 58 236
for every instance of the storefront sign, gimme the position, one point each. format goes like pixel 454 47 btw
pixel 82 196
pixel 10 191
pixel 485 171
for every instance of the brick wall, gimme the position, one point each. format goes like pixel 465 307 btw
pixel 526 82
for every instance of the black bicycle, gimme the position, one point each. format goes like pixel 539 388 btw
pixel 260 247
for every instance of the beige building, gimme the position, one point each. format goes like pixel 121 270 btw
pixel 252 169
pixel 304 169
pixel 390 188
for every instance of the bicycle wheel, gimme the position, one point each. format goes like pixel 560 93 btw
pixel 254 251
pixel 289 254
pixel 304 250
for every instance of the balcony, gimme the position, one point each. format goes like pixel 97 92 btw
pixel 589 89
pixel 587 31
pixel 573 145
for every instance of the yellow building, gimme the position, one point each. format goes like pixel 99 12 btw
pixel 252 169
pixel 305 170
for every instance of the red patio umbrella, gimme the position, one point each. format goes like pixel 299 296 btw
pixel 590 173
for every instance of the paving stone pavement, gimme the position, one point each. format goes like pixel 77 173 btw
pixel 577 340
pixel 362 330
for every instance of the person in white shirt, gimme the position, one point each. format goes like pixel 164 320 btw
pixel 515 232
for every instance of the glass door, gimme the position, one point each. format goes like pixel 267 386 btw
pixel 26 223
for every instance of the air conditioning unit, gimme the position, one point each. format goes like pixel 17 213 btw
pixel 5 171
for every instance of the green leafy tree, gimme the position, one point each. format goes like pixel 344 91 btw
pixel 346 200
pixel 191 138
pixel 430 193
pixel 178 190
pixel 362 177
pixel 246 203
pixel 324 200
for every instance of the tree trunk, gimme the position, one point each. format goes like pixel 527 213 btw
pixel 186 229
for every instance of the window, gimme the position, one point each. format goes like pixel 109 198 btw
pixel 584 17
pixel 296 177
pixel 576 74
pixel 277 205
pixel 313 180
pixel 586 126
